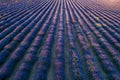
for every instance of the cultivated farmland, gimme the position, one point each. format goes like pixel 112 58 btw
pixel 59 40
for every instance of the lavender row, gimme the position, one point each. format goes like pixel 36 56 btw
pixel 14 17
pixel 10 36
pixel 24 18
pixel 18 38
pixel 103 42
pixel 23 70
pixel 107 66
pixel 104 32
pixel 19 52
pixel 92 70
pixel 76 67
pixel 59 60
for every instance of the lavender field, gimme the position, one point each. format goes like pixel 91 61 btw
pixel 59 40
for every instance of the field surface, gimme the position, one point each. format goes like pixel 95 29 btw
pixel 59 40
